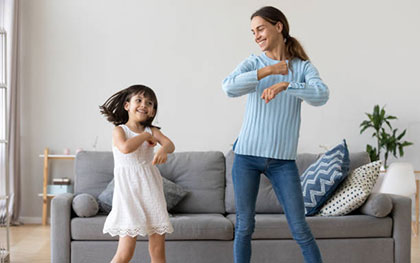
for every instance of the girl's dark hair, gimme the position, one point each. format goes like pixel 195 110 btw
pixel 114 110
pixel 272 15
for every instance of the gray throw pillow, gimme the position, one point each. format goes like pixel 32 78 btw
pixel 378 205
pixel 85 205
pixel 173 195
pixel 105 198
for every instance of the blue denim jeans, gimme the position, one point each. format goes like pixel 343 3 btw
pixel 284 177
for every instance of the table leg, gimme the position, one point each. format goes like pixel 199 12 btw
pixel 44 192
pixel 417 208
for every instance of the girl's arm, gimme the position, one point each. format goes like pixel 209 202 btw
pixel 167 147
pixel 129 145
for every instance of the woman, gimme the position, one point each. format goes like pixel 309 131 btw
pixel 277 81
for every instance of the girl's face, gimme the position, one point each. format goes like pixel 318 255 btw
pixel 140 108
pixel 266 35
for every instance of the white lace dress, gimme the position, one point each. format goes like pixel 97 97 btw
pixel 138 204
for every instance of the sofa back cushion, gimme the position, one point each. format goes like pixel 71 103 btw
pixel 94 170
pixel 267 201
pixel 201 174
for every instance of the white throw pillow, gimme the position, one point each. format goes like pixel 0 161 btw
pixel 353 192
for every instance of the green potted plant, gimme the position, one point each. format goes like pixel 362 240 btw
pixel 387 138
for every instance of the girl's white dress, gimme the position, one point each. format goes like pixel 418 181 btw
pixel 138 204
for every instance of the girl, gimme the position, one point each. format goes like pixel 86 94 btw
pixel 277 81
pixel 138 204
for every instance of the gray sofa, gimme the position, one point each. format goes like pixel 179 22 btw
pixel 204 220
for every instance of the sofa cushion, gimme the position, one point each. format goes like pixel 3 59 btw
pixel 85 205
pixel 378 205
pixel 105 198
pixel 186 227
pixel 323 177
pixel 353 191
pixel 173 194
pixel 94 170
pixel 274 226
pixel 266 200
pixel 202 175
pixel 357 159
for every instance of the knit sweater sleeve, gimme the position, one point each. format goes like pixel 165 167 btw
pixel 312 90
pixel 243 79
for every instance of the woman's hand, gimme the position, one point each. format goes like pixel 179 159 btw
pixel 271 92
pixel 280 68
pixel 160 157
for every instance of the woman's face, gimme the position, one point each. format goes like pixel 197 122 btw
pixel 266 35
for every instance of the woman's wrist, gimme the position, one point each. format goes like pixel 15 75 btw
pixel 285 85
pixel 264 72
pixel 281 86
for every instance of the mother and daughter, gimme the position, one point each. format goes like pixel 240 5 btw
pixel 276 82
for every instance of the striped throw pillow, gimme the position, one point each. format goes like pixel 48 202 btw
pixel 322 178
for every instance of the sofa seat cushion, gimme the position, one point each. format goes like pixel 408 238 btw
pixel 274 226
pixel 186 227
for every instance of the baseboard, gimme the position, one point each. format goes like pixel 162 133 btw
pixel 31 220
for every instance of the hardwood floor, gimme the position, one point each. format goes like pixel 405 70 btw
pixel 31 243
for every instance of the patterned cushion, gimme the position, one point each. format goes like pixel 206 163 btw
pixel 321 178
pixel 353 192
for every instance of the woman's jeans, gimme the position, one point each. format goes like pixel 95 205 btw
pixel 284 177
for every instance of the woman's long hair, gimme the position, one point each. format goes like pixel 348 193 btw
pixel 272 15
pixel 113 108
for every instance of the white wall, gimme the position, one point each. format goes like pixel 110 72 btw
pixel 75 54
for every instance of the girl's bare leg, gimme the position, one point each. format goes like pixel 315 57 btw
pixel 157 248
pixel 125 251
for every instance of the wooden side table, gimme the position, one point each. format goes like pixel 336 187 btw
pixel 45 195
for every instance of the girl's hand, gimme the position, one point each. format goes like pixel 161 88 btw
pixel 160 157
pixel 152 142
pixel 151 139
pixel 271 92
pixel 280 68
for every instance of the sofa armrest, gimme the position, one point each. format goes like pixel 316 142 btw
pixel 401 232
pixel 60 228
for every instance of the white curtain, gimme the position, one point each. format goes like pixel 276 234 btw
pixel 9 23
